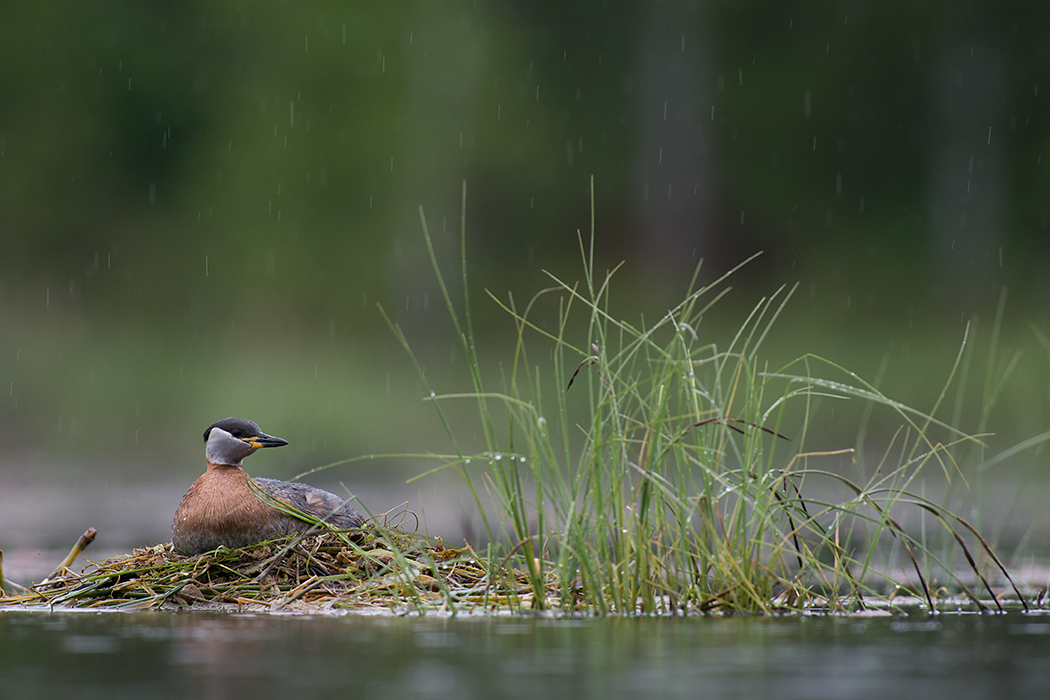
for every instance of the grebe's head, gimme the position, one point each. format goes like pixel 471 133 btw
pixel 230 440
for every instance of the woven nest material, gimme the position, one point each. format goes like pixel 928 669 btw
pixel 391 572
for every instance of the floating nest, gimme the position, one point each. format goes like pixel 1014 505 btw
pixel 329 571
pixel 373 570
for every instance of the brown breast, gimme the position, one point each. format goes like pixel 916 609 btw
pixel 221 509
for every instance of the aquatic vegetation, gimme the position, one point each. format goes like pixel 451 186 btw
pixel 661 476
pixel 639 468
pixel 388 570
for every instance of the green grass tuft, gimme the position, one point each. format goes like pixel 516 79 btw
pixel 650 469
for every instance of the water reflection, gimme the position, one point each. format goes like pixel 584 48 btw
pixel 216 656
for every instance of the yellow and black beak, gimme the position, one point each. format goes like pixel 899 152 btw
pixel 264 440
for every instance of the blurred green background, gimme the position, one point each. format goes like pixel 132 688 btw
pixel 201 205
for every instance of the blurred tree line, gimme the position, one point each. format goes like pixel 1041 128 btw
pixel 185 175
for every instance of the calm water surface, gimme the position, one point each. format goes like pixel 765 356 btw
pixel 161 655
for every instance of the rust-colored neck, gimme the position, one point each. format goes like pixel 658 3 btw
pixel 212 466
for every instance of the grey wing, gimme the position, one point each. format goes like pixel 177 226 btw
pixel 313 501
